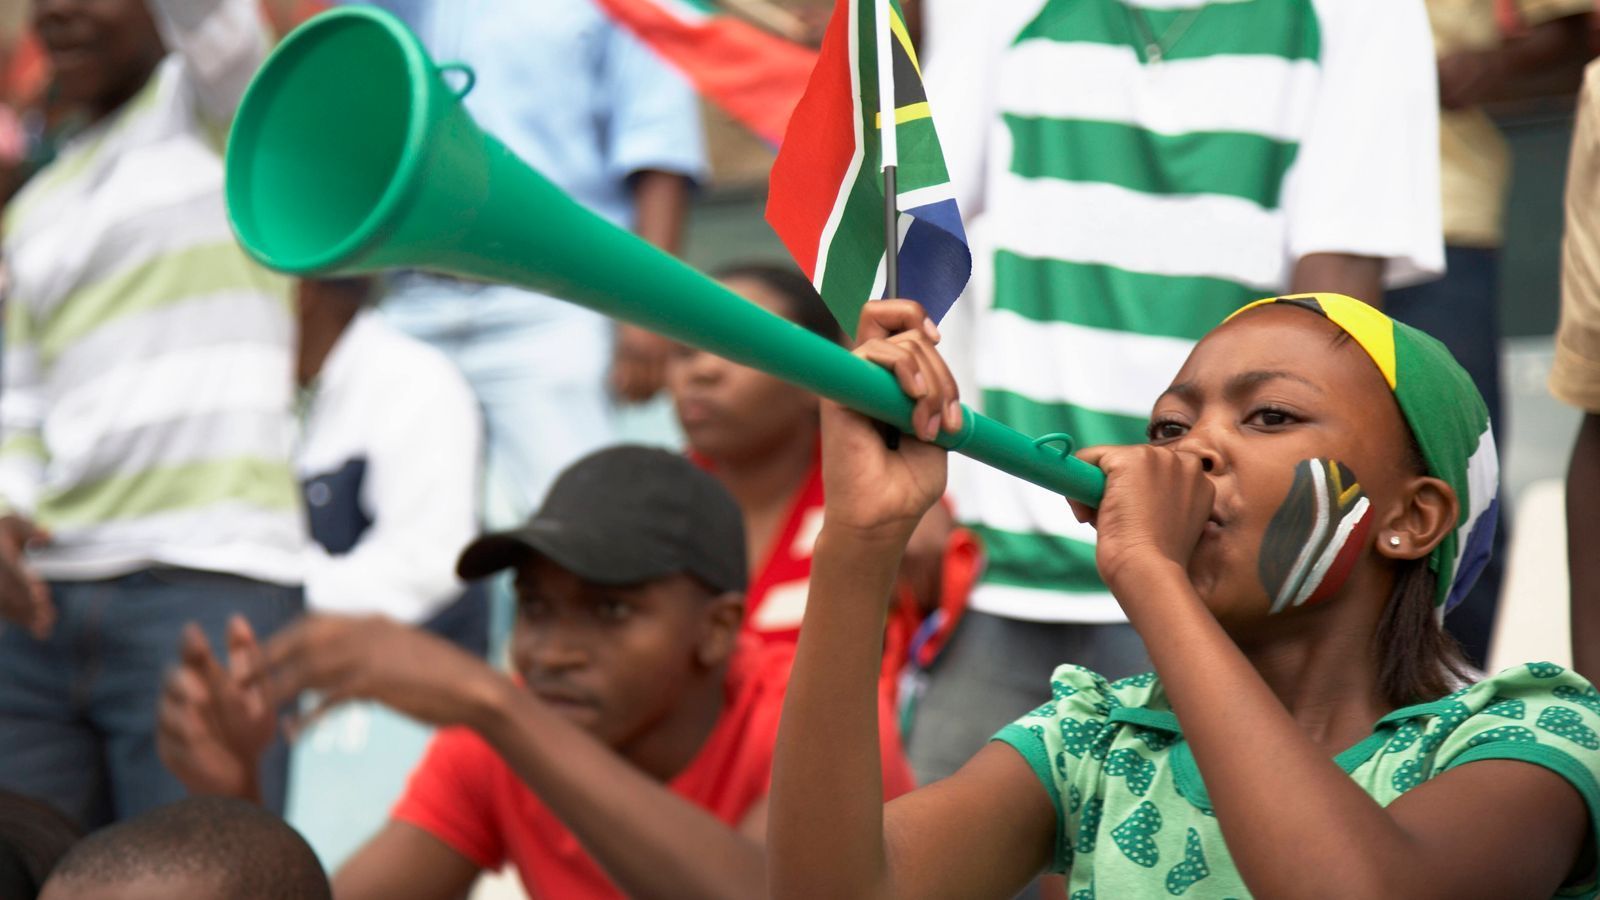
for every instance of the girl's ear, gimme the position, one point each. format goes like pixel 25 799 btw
pixel 1425 515
pixel 719 629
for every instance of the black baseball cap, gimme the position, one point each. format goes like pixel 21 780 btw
pixel 626 515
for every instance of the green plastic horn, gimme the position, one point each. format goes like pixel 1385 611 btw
pixel 350 153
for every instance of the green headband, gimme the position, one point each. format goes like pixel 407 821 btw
pixel 1449 420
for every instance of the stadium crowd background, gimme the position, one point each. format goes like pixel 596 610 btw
pixel 348 767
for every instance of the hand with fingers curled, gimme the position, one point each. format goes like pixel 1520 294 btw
pixel 1156 505
pixel 24 597
pixel 215 722
pixel 343 658
pixel 874 492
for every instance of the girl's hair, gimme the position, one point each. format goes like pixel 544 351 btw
pixel 806 308
pixel 1417 659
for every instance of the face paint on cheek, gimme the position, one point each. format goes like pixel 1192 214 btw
pixel 1314 538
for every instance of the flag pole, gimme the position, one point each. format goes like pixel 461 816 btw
pixel 891 151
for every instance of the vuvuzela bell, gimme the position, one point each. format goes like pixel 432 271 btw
pixel 350 154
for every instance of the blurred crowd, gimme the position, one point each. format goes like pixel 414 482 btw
pixel 233 501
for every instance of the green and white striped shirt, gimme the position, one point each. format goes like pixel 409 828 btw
pixel 147 402
pixel 1127 201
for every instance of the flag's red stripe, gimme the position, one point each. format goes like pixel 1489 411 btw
pixel 755 76
pixel 808 175
pixel 1334 578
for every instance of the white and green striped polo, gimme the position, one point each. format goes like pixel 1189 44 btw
pixel 147 402
pixel 1133 197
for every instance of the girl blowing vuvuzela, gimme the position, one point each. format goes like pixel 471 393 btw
pixel 1317 491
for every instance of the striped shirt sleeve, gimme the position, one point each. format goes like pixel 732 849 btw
pixel 1367 179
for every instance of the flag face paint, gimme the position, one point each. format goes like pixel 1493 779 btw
pixel 1315 537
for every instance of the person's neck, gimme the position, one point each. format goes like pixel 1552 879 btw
pixel 667 749
pixel 1324 669
pixel 768 480
pixel 322 323
pixel 99 109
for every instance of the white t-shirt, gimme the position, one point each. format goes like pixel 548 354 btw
pixel 389 455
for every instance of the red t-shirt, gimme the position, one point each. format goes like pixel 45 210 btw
pixel 466 796
pixel 775 602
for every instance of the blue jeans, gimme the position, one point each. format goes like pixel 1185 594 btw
pixel 78 709
pixel 1462 311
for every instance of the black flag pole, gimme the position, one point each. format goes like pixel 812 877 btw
pixel 891 235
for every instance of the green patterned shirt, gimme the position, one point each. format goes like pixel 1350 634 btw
pixel 1133 816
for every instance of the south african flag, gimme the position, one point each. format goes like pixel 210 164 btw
pixel 826 198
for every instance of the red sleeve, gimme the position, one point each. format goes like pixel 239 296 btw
pixel 897 777
pixel 451 796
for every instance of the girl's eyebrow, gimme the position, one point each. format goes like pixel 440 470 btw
pixel 1245 382
pixel 1237 386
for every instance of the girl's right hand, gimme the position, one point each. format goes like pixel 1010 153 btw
pixel 873 492
pixel 1156 505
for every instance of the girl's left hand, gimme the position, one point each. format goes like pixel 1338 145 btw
pixel 871 491
pixel 1156 505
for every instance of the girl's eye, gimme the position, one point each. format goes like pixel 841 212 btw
pixel 1165 430
pixel 1270 417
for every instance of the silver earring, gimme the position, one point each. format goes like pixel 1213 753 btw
pixel 1394 541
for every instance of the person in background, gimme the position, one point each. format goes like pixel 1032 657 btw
pixel 1462 308
pixel 33 837
pixel 202 848
pixel 146 410
pixel 759 436
pixel 1135 171
pixel 388 459
pixel 1575 376
pixel 630 755
pixel 593 110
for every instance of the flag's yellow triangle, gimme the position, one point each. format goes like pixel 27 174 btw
pixel 898 27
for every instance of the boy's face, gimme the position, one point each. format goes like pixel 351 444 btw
pixel 730 412
pixel 1260 395
pixel 616 661
pixel 101 51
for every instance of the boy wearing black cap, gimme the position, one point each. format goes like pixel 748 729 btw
pixel 632 756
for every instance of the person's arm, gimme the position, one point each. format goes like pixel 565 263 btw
pixel 1360 277
pixel 661 202
pixel 24 598
pixel 222 43
pixel 402 860
pixel 1583 536
pixel 1518 66
pixel 1349 194
pixel 650 841
pixel 1488 829
pixel 987 830
pixel 655 144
